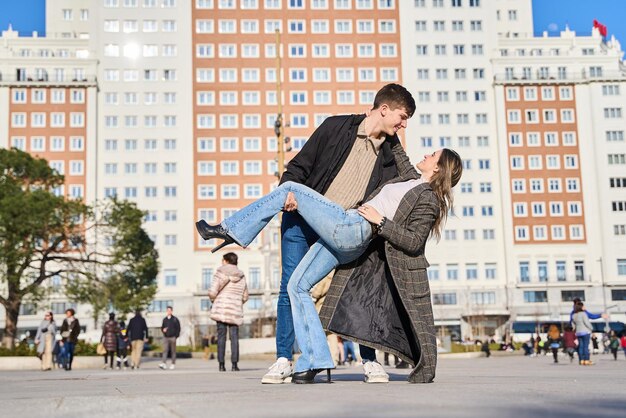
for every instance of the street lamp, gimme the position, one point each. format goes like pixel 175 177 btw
pixel 606 316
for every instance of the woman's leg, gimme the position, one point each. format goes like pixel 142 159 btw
pixel 221 342
pixel 317 263
pixel 320 213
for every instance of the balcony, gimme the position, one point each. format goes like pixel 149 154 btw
pixel 538 77
pixel 42 80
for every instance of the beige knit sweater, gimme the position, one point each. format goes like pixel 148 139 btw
pixel 228 293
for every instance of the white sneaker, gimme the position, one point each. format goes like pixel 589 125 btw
pixel 279 372
pixel 163 366
pixel 374 373
pixel 172 367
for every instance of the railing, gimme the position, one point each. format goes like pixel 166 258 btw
pixel 46 80
pixel 558 78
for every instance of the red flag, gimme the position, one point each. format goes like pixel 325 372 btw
pixel 601 28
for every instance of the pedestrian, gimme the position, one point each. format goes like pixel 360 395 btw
pixel 554 341
pixel 171 331
pixel 594 344
pixel 109 339
pixel 228 293
pixel 205 346
pixel 345 159
pixel 70 328
pixel 485 348
pixel 44 339
pixel 582 326
pixel 589 314
pixel 123 344
pixel 341 350
pixel 623 341
pixel 614 345
pixel 138 336
pixel 349 354
pixel 569 342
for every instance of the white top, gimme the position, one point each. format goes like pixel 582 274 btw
pixel 387 201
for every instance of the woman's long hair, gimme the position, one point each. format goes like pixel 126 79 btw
pixel 442 181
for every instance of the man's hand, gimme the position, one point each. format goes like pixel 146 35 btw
pixel 370 214
pixel 164 330
pixel 291 203
pixel 605 316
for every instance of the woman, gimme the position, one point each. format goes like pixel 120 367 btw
pixel 109 339
pixel 582 326
pixel 45 340
pixel 344 236
pixel 554 341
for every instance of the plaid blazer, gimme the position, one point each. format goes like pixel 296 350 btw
pixel 403 247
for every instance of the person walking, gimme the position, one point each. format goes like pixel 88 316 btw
pixel 622 341
pixel 70 328
pixel 109 339
pixel 123 344
pixel 569 342
pixel 44 339
pixel 614 344
pixel 582 326
pixel 554 341
pixel 485 348
pixel 171 331
pixel 228 293
pixel 138 336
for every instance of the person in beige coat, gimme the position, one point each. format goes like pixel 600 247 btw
pixel 228 293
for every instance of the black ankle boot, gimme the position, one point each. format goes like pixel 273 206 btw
pixel 308 376
pixel 222 367
pixel 235 368
pixel 208 232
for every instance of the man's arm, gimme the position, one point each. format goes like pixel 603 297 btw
pixel 300 166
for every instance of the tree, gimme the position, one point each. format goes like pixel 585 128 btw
pixel 43 234
pixel 128 280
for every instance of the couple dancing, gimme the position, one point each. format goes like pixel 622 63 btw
pixel 353 201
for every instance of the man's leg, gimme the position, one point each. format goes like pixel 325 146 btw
pixel 297 237
pixel 166 349
pixel 173 348
pixel 374 372
pixel 234 343
pixel 137 348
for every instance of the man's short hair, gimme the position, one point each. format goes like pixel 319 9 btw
pixel 169 307
pixel 71 310
pixel 231 258
pixel 395 96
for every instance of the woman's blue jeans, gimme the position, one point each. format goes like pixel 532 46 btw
pixel 583 346
pixel 344 236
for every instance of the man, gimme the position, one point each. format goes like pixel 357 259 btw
pixel 69 334
pixel 138 335
pixel 171 331
pixel 345 159
pixel 228 293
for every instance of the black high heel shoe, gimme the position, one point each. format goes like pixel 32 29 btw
pixel 208 232
pixel 308 376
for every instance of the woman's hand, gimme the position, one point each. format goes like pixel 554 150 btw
pixel 291 203
pixel 370 214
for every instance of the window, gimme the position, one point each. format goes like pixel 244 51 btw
pixel 535 296
pixel 524 272
pixel 483 298
pixel 452 271
pixel 618 294
pixel 444 299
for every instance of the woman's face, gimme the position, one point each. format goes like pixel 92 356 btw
pixel 428 166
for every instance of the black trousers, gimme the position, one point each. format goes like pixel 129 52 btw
pixel 221 342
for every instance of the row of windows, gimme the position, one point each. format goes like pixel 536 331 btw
pixel 530 93
pixel 320 75
pixel 132 168
pixel 476 298
pixel 74 191
pixel 132 144
pixel 232 168
pixel 341 50
pixel 144 3
pixel 550 139
pixel 133 50
pixel 471 272
pixel 453 3
pixel 557 233
pixel 132 192
pixel 514 116
pixel 68 14
pixel 317 26
pixel 446 118
pixel 248 144
pixel 297 4
pixel 52 143
pixel 560 271
pixel 618 206
pixel 552 162
pixel 485 187
pixel 230 191
pixel 545 73
pixel 131 26
pixel 444 96
pixel 538 209
pixel 456 25
pixel 617 182
pixel 76 167
pixel 442 73
pixel 541 296
pixel 442 49
pixel 39 96
pixel 132 98
pixel 133 75
pixel 132 121
pixel 469 234
pixel 39 119
pixel 468 211
pixel 462 141
pixel 253 98
pixel 253 278
pixel 555 185
pixel 168 216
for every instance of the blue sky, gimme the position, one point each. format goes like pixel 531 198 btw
pixel 550 15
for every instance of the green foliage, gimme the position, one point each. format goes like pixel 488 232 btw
pixel 20 350
pixel 84 349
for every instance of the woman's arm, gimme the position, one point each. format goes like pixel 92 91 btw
pixel 403 164
pixel 421 221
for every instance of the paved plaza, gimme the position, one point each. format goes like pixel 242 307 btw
pixel 509 386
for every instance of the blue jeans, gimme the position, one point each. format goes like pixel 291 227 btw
pixel 583 346
pixel 67 354
pixel 344 236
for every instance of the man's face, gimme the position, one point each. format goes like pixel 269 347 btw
pixel 394 120
pixel 68 314
pixel 169 311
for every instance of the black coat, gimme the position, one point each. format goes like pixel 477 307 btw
pixel 137 328
pixel 71 331
pixel 325 152
pixel 172 325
